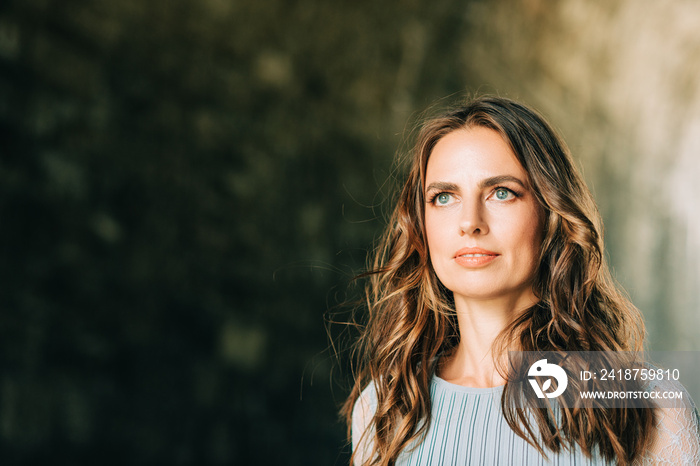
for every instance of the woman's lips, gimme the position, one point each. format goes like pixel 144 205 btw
pixel 474 257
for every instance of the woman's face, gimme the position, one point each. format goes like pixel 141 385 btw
pixel 483 223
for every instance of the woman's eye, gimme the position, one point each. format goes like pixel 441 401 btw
pixel 443 198
pixel 503 194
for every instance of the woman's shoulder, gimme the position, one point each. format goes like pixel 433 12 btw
pixel 676 438
pixel 677 435
pixel 362 415
pixel 365 405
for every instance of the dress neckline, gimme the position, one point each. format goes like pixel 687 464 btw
pixel 461 388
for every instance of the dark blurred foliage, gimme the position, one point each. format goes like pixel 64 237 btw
pixel 186 189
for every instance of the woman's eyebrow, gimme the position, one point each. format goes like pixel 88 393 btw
pixel 442 186
pixel 496 180
pixel 485 183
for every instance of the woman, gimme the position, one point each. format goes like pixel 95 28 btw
pixel 495 245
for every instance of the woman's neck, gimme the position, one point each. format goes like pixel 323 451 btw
pixel 480 322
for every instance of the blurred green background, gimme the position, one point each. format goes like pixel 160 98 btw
pixel 187 188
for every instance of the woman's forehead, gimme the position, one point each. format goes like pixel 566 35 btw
pixel 471 154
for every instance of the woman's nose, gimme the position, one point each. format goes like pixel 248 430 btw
pixel 472 221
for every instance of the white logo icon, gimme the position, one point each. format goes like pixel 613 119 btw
pixel 541 368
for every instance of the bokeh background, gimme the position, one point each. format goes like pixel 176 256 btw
pixel 187 188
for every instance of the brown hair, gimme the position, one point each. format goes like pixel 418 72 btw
pixel 412 320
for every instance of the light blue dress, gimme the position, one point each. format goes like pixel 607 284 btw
pixel 468 428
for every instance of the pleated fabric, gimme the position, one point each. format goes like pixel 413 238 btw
pixel 468 428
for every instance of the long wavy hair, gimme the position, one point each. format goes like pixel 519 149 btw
pixel 411 317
